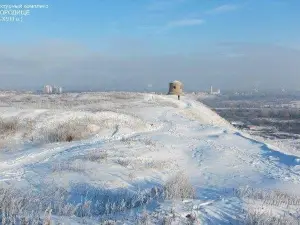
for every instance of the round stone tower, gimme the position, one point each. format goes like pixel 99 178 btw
pixel 175 88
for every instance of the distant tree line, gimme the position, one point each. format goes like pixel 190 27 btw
pixel 285 120
pixel 269 113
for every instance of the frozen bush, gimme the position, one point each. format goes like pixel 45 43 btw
pixel 270 197
pixel 167 220
pixel 144 219
pixel 260 218
pixel 72 130
pixel 9 125
pixel 179 187
pixel 16 208
pixel 96 156
pixel 108 222
pixel 73 166
pixel 123 162
pixel 148 142
pixel 191 219
pixel 142 164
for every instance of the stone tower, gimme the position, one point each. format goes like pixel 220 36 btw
pixel 175 88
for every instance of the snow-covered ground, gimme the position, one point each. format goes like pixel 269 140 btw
pixel 95 157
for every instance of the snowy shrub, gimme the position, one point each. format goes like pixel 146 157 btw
pixel 47 217
pixel 191 219
pixel 127 140
pixel 153 164
pixel 144 219
pixel 64 133
pixel 263 198
pixel 123 162
pixel 131 175
pixel 72 130
pixel 270 197
pixel 166 103
pixel 82 127
pixel 179 187
pixel 73 166
pixel 14 131
pixel 27 126
pixel 124 95
pixel 148 142
pixel 260 218
pixel 16 208
pixel 87 201
pixel 109 222
pixel 32 207
pixel 142 164
pixel 96 156
pixel 28 207
pixel 167 220
pixel 145 141
pixel 9 125
pixel 106 202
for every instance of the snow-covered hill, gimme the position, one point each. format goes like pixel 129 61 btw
pixel 136 158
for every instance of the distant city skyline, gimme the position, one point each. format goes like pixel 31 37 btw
pixel 126 45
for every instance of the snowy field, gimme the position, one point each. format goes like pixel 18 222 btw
pixel 135 158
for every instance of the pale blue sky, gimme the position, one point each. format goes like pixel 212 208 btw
pixel 161 22
pixel 160 33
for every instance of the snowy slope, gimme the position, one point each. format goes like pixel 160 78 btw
pixel 131 143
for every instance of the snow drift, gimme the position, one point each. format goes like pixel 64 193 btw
pixel 133 156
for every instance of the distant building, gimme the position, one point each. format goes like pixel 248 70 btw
pixel 47 89
pixel 175 88
pixel 54 90
pixel 216 92
pixel 57 90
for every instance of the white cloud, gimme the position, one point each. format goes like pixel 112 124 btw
pixel 223 9
pixel 185 23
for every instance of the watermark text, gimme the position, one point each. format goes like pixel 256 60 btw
pixel 18 12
